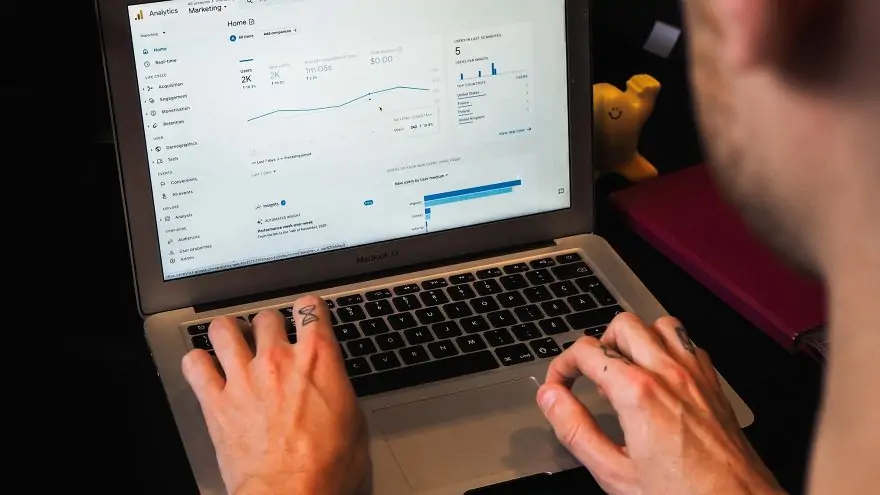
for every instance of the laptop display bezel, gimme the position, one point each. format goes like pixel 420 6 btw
pixel 156 295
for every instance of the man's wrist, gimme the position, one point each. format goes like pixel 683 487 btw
pixel 282 485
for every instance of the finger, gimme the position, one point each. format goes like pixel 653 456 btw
pixel 202 375
pixel 269 331
pixel 230 346
pixel 588 357
pixel 314 332
pixel 578 432
pixel 678 343
pixel 708 368
pixel 640 343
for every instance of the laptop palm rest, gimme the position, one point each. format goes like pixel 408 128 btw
pixel 496 430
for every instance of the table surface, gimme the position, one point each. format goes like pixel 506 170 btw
pixel 119 411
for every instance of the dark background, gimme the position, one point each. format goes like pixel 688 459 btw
pixel 103 421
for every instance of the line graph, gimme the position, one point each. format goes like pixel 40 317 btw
pixel 340 105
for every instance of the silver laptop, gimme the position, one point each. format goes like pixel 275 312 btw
pixel 423 165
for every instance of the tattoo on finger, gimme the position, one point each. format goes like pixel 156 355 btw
pixel 611 353
pixel 686 341
pixel 308 314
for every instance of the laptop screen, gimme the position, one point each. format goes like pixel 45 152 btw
pixel 284 128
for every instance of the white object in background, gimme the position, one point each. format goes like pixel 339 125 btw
pixel 663 39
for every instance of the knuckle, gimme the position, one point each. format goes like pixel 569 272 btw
pixel 642 388
pixel 678 377
pixel 667 322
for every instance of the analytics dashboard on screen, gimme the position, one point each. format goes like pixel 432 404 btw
pixel 283 128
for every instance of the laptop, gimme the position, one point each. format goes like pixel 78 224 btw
pixel 425 166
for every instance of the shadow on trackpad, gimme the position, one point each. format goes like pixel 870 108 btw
pixel 468 435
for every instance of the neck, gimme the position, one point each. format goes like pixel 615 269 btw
pixel 848 441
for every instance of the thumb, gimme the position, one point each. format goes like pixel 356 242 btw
pixel 578 432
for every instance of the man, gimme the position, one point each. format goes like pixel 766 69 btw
pixel 790 104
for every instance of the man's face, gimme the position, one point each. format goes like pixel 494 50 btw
pixel 750 131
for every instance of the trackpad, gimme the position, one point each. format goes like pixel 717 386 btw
pixel 469 435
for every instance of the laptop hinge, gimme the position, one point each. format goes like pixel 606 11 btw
pixel 214 306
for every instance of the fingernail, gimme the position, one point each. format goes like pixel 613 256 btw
pixel 547 399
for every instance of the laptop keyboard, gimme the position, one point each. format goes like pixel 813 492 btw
pixel 442 328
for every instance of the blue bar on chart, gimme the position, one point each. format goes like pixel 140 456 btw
pixel 494 70
pixel 427 213
pixel 479 73
pixel 471 193
pixel 462 76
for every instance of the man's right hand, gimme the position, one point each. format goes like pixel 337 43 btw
pixel 681 434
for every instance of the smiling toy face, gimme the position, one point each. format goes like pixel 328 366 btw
pixel 615 113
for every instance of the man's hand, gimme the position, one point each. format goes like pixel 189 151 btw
pixel 285 420
pixel 681 434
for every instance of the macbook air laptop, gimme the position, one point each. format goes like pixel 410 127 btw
pixel 423 165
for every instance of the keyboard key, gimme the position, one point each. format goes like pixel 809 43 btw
pixel 487 287
pixel 569 258
pixel 198 329
pixel 342 350
pixel 567 345
pixel 414 355
pixel 514 282
pixel 202 342
pixel 457 310
pixel 434 284
pixel 420 335
pixel 434 297
pixel 538 294
pixel 378 294
pixel 516 268
pixel 407 289
pixel 375 326
pixel 333 319
pixel 429 315
pixel 503 318
pixel 545 348
pixel 594 318
pixel 475 324
pixel 351 313
pixel 379 308
pixel 595 287
pixel 291 337
pixel 402 321
pixel 442 349
pixel 361 347
pixel 462 278
pixel 540 277
pixel 582 302
pixel 564 289
pixel 528 313
pixel 286 312
pixel 498 338
pixel 471 343
pixel 596 332
pixel 574 270
pixel 526 332
pixel 484 305
pixel 461 292
pixel 390 341
pixel 511 299
pixel 514 354
pixel 357 367
pixel 406 303
pixel 421 374
pixel 446 330
pixel 346 332
pixel 350 300
pixel 553 326
pixel 555 308
pixel 542 263
pixel 385 361
pixel 330 304
pixel 489 273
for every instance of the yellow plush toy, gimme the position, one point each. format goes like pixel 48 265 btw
pixel 619 117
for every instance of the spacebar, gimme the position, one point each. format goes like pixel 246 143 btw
pixel 424 373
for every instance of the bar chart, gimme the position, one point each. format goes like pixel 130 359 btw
pixel 432 201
